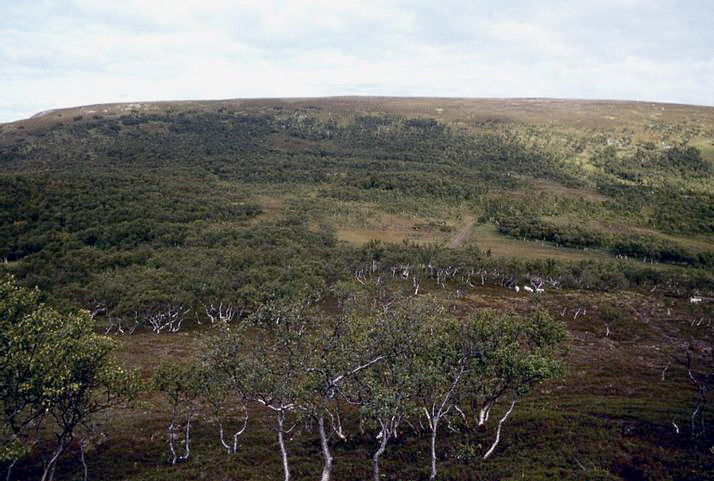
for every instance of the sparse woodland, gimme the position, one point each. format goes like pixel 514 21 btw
pixel 205 291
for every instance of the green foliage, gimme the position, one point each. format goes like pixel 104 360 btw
pixel 396 359
pixel 669 207
pixel 514 353
pixel 264 358
pixel 566 236
pixel 647 161
pixel 179 383
pixel 643 247
pixel 55 374
pixel 123 215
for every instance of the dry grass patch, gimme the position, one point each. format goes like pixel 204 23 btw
pixel 394 229
pixel 271 207
pixel 550 187
pixel 487 238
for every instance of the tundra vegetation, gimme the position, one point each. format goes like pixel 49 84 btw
pixel 348 288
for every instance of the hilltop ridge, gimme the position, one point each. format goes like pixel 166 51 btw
pixel 517 109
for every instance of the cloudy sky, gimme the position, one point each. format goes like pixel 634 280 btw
pixel 65 53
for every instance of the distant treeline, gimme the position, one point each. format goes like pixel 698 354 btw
pixel 679 160
pixel 637 246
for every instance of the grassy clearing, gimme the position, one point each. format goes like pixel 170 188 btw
pixel 487 237
pixel 271 207
pixel 394 229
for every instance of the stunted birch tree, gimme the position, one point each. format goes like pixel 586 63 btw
pixel 56 374
pixel 698 364
pixel 386 391
pixel 341 347
pixel 511 354
pixel 227 405
pixel 479 361
pixel 264 359
pixel 441 368
pixel 181 385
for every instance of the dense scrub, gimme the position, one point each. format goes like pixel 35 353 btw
pixel 165 198
pixel 638 246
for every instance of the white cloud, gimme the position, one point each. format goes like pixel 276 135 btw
pixel 74 52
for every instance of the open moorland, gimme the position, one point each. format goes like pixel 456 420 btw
pixel 171 221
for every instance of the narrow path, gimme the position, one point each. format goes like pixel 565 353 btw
pixel 462 233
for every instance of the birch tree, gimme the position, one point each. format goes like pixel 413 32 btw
pixel 227 405
pixel 699 366
pixel 510 355
pixel 440 374
pixel 56 374
pixel 481 360
pixel 264 359
pixel 181 386
pixel 386 390
pixel 441 369
pixel 341 347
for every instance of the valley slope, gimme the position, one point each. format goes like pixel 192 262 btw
pixel 135 209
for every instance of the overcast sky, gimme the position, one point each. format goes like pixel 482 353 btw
pixel 74 52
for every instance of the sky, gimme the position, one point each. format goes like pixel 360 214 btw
pixel 67 53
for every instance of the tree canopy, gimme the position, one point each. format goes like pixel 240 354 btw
pixel 55 374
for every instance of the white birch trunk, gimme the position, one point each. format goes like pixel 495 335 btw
pixel 281 442
pixel 434 425
pixel 48 473
pixel 172 437
pixel 498 431
pixel 326 455
pixel 380 451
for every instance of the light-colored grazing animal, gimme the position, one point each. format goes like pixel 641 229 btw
pixel 695 300
pixel 518 289
pixel 528 289
pixel 539 290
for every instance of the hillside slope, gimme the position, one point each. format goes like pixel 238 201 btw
pixel 568 180
pixel 137 210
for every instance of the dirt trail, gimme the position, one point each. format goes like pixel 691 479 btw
pixel 461 234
